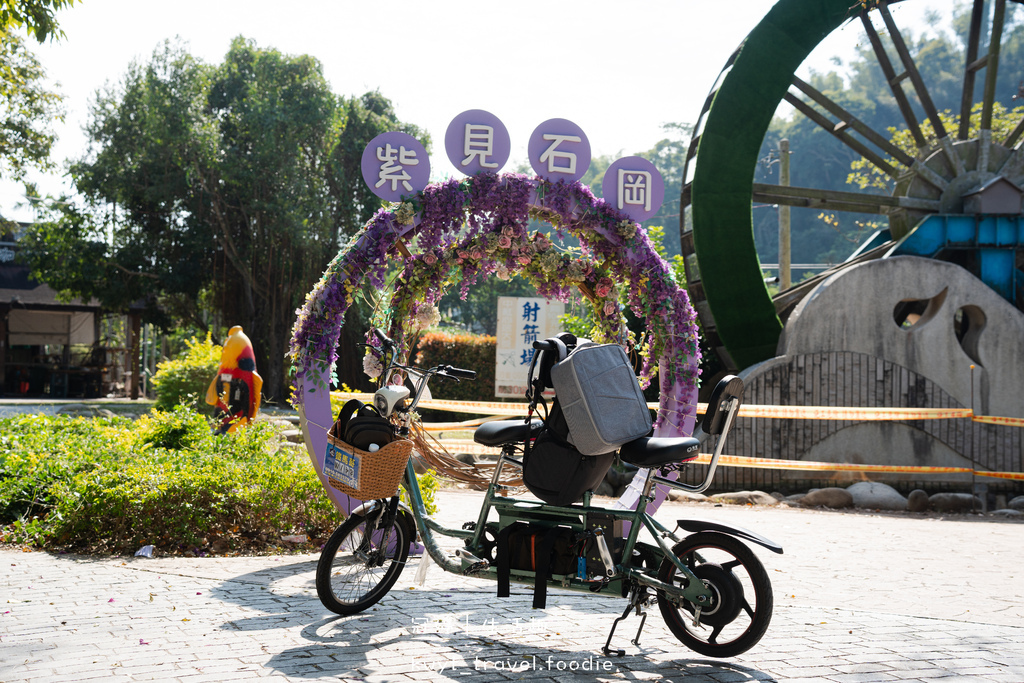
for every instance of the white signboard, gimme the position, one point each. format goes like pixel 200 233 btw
pixel 521 321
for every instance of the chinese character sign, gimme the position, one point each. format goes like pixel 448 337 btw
pixel 521 321
pixel 477 141
pixel 559 150
pixel 395 165
pixel 635 187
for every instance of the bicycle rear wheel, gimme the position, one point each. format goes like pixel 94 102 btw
pixel 361 561
pixel 741 605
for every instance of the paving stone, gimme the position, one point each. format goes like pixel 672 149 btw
pixel 859 598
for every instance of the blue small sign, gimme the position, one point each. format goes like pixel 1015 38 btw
pixel 342 466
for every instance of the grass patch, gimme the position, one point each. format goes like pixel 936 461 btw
pixel 114 485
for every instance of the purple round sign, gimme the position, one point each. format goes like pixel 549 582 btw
pixel 559 150
pixel 395 165
pixel 635 187
pixel 477 141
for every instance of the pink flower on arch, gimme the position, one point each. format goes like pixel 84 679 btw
pixel 504 241
pixel 430 259
pixel 610 308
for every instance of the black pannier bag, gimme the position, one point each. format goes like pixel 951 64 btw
pixel 559 474
pixel 546 551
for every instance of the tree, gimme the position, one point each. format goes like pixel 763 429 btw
pixel 27 109
pixel 226 185
pixel 36 16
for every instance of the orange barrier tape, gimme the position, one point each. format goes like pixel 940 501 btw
pixel 500 409
pixel 859 414
pixel 457 426
pixel 994 420
pixel 775 464
pixel 841 413
pixel 746 410
pixel 480 407
pixel 468 446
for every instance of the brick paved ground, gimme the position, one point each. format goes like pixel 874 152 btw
pixel 859 598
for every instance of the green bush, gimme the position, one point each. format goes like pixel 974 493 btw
pixel 184 380
pixel 469 351
pixel 114 485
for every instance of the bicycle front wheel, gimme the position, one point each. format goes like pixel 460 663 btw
pixel 361 562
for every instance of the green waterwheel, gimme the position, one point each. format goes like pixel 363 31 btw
pixel 739 318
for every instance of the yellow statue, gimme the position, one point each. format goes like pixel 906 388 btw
pixel 235 391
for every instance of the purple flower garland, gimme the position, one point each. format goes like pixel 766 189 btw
pixel 463 230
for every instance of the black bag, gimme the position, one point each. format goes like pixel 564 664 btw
pixel 553 469
pixel 557 473
pixel 544 550
pixel 360 425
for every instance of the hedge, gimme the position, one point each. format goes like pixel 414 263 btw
pixel 469 351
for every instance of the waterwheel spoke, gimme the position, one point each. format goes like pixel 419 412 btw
pixel 848 120
pixel 839 132
pixel 992 68
pixel 911 70
pixel 836 200
pixel 894 81
pixel 973 65
pixel 1014 135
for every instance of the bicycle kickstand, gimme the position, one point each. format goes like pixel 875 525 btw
pixel 638 598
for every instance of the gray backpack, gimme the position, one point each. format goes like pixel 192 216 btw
pixel 600 398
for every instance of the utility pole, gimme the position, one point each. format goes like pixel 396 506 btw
pixel 784 276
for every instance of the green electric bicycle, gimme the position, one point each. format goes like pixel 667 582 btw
pixel 711 589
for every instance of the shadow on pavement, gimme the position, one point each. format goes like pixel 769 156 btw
pixel 437 633
pixel 362 647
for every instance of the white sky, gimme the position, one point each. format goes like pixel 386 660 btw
pixel 618 69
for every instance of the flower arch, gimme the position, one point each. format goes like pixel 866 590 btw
pixel 462 230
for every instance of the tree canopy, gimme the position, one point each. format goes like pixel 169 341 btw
pixel 216 188
pixel 36 16
pixel 27 110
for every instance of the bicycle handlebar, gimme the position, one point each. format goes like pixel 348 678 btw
pixel 383 338
pixel 457 373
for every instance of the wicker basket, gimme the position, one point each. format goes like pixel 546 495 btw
pixel 366 475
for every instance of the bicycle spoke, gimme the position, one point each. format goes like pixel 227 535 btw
pixel 713 638
pixel 729 566
pixel 747 608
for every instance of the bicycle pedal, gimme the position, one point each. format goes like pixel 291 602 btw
pixel 475 563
